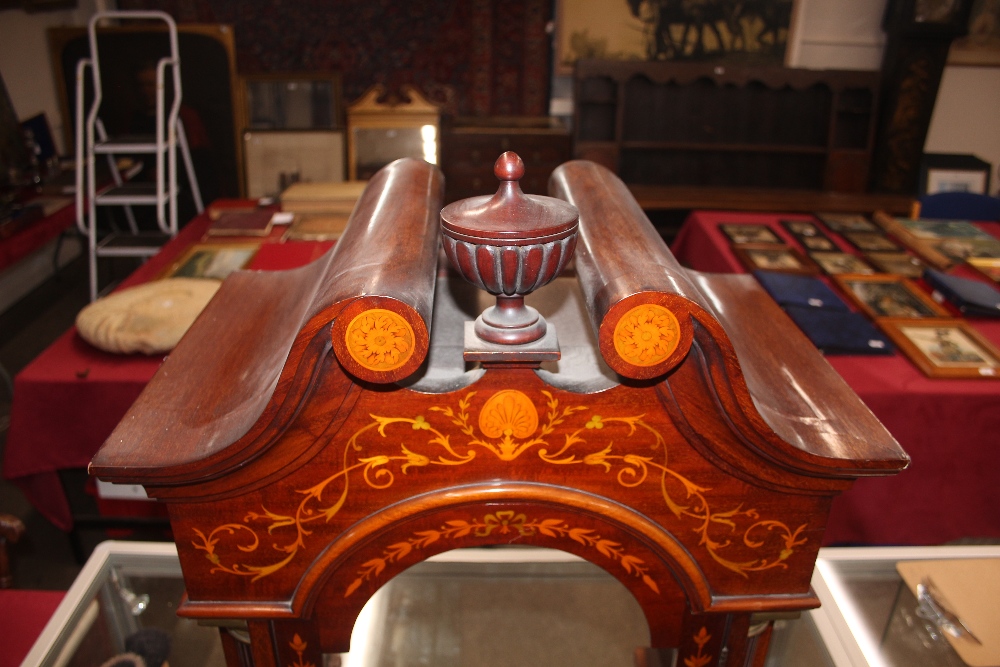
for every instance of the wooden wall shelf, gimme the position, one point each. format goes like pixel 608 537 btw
pixel 709 125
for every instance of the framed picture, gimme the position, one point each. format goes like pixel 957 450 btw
pixel 989 267
pixel 820 242
pixel 870 242
pixel 959 250
pixel 981 46
pixel 944 348
pixel 896 263
pixel 292 101
pixel 801 228
pixel 835 263
pixel 212 260
pixel 771 257
pixel 740 234
pixel 923 228
pixel 277 158
pixel 950 180
pixel 727 33
pixel 889 296
pixel 847 222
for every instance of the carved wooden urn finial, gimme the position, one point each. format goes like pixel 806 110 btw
pixel 509 244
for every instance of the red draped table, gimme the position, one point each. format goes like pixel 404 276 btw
pixel 69 399
pixel 950 428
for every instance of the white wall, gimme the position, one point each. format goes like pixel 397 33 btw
pixel 967 116
pixel 25 63
pixel 847 34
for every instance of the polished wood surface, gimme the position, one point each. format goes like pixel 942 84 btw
pixel 704 486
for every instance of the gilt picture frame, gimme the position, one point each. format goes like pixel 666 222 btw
pixel 949 348
pixel 774 257
pixel 885 295
pixel 212 260
pixel 739 234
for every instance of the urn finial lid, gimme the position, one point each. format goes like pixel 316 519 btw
pixel 509 217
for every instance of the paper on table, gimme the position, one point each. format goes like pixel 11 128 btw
pixel 972 587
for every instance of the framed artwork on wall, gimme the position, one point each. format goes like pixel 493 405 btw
pixel 981 46
pixel 730 32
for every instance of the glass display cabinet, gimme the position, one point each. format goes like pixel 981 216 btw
pixel 506 606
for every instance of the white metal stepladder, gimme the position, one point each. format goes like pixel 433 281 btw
pixel 92 139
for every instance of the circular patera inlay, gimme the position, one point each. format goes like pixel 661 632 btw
pixel 380 340
pixel 508 413
pixel 647 334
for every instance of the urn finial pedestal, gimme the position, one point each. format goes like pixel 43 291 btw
pixel 510 244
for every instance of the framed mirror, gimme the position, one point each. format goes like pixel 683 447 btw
pixel 381 129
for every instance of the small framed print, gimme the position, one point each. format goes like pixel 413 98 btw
pixel 212 260
pixel 809 235
pixel 889 296
pixel 820 242
pixel 988 266
pixel 836 263
pixel 896 263
pixel 871 242
pixel 944 348
pixel 771 257
pixel 801 228
pixel 961 249
pixel 741 234
pixel 847 222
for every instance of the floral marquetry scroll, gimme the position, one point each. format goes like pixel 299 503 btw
pixel 506 522
pixel 570 437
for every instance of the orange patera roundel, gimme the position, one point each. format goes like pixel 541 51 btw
pixel 380 340
pixel 647 334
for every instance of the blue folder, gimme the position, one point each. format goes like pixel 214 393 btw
pixel 971 297
pixel 839 332
pixel 803 291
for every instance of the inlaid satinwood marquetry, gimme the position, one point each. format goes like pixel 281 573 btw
pixel 380 340
pixel 304 468
pixel 647 335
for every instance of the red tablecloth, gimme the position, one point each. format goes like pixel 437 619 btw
pixel 950 428
pixel 25 614
pixel 69 399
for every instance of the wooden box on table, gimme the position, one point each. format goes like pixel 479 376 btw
pixel 318 431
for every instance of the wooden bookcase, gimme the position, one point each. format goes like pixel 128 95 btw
pixel 657 123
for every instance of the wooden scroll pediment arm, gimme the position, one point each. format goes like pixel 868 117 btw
pixel 255 354
pixel 654 319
